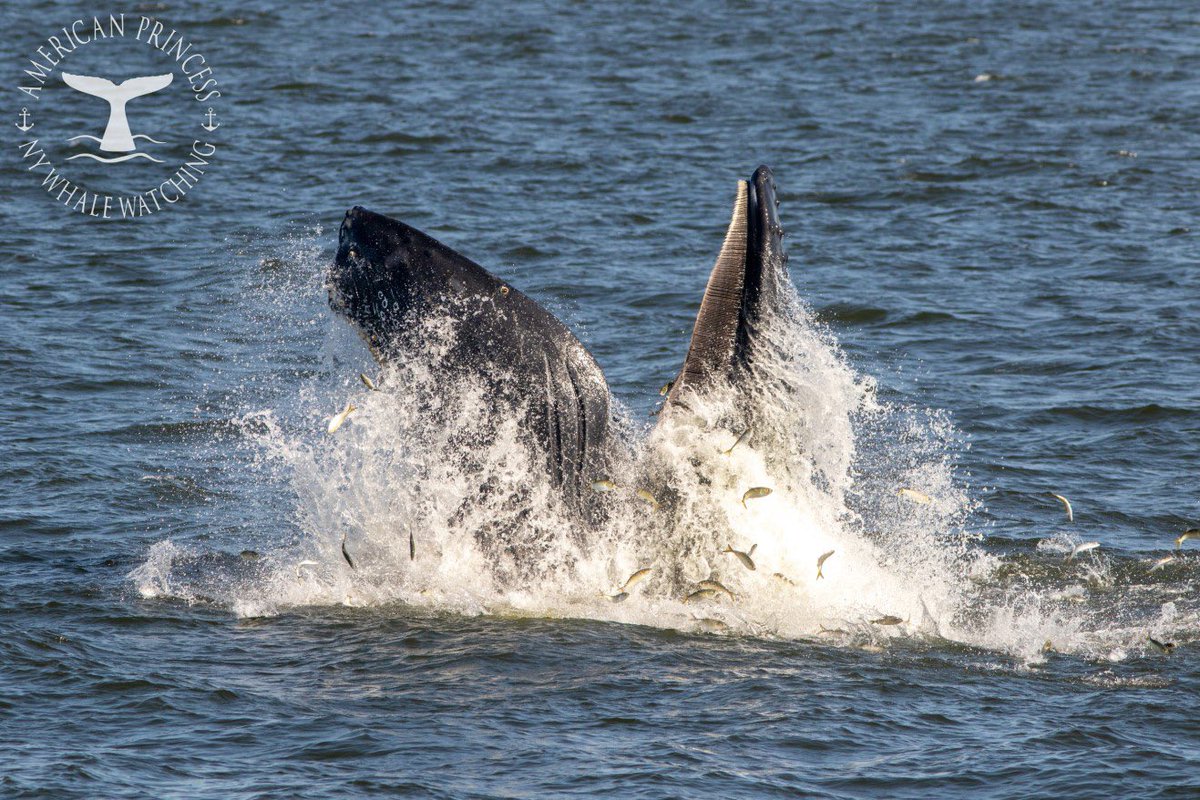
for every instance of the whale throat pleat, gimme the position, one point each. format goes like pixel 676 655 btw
pixel 714 338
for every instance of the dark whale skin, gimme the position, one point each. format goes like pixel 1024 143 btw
pixel 388 277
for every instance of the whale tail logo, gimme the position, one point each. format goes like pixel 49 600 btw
pixel 117 136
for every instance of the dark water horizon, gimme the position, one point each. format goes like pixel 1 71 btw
pixel 991 219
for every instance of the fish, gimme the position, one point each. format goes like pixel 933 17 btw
pixel 249 555
pixel 603 485
pixel 619 597
pixel 717 587
pixel 1163 647
pixel 914 495
pixel 1162 562
pixel 412 547
pixel 666 387
pixel 821 561
pixel 636 578
pixel 711 625
pixel 837 631
pixel 754 494
pixel 1081 548
pixel 745 558
pixel 346 553
pixel 649 498
pixel 304 564
pixel 700 594
pixel 887 619
pixel 1048 646
pixel 1066 504
pixel 1190 533
pixel 783 578
pixel 340 418
pixel 741 439
pixel 366 379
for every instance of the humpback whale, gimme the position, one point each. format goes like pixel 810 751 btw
pixel 388 277
pixel 117 136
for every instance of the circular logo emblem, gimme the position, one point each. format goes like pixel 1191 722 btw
pixel 120 116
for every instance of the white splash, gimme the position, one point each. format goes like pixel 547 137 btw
pixel 447 468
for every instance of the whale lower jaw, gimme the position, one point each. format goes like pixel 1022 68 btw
pixel 741 289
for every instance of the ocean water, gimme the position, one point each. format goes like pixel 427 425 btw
pixel 991 217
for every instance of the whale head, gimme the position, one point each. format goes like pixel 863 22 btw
pixel 387 276
pixel 368 281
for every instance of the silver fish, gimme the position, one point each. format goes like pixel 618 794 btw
pixel 1191 533
pixel 249 555
pixel 603 485
pixel 1162 562
pixel 741 439
pixel 745 558
pixel 346 553
pixel 649 498
pixel 619 597
pixel 832 631
pixel 821 561
pixel 412 547
pixel 666 388
pixel 1066 504
pixel 717 587
pixel 340 418
pixel 1081 548
pixel 888 619
pixel 700 594
pixel 636 578
pixel 914 495
pixel 366 379
pixel 1163 647
pixel 754 494
pixel 784 578
pixel 710 625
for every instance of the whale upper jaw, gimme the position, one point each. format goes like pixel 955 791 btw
pixel 372 281
pixel 400 287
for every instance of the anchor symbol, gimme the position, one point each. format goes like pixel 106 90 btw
pixel 211 126
pixel 24 124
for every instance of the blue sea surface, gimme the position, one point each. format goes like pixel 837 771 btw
pixel 991 213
